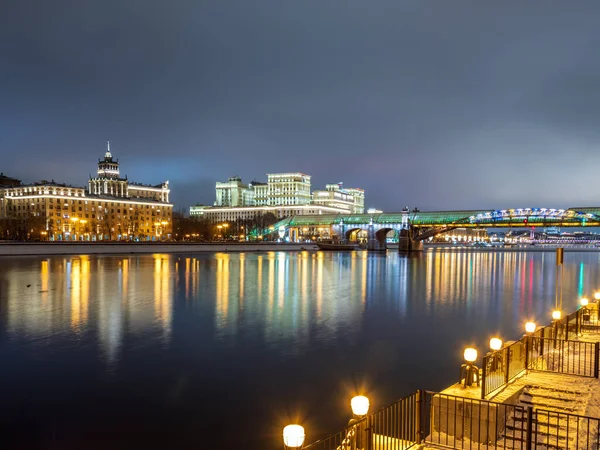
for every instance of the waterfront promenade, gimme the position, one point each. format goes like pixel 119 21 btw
pixel 545 394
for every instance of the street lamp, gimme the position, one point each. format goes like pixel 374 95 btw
pixel 495 344
pixel 585 312
pixel 530 327
pixel 360 428
pixel 556 315
pixel 496 356
pixel 469 370
pixel 360 406
pixel 293 437
pixel 597 296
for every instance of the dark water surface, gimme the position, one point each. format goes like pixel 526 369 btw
pixel 179 351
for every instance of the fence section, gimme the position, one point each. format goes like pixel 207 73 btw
pixel 395 427
pixel 557 430
pixel 547 349
pixel 588 320
pixel 462 423
pixel 560 356
pixel 501 366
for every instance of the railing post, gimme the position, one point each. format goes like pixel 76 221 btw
pixel 567 328
pixel 506 366
pixel 418 413
pixel 484 376
pixel 529 430
pixel 578 322
pixel 368 434
pixel 526 353
pixel 596 359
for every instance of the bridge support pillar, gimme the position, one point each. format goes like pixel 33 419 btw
pixel 373 243
pixel 406 243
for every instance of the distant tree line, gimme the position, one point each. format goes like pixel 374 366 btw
pixel 23 228
pixel 203 230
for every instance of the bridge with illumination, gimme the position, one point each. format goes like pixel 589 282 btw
pixel 413 227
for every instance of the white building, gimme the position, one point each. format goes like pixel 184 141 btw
pixel 284 194
pixel 232 193
pixel 350 200
pixel 232 214
pixel 288 189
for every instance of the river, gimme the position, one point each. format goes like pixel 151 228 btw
pixel 222 350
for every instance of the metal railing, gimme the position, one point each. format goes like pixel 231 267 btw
pixel 501 366
pixel 395 427
pixel 549 349
pixel 463 423
pixel 466 423
pixel 588 320
pixel 561 356
pixel 564 431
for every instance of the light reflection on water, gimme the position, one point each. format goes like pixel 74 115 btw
pixel 178 346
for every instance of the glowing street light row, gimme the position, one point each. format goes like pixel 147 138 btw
pixel 293 435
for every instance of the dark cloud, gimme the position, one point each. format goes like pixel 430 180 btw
pixel 436 104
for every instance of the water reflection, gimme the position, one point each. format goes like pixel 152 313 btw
pixel 318 319
pixel 281 295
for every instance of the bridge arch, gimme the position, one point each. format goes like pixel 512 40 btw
pixel 382 234
pixel 356 234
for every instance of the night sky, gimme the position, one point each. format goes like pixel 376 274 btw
pixel 434 104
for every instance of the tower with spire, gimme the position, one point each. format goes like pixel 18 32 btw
pixel 108 182
pixel 108 167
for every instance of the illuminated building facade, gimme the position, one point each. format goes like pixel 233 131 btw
pixel 284 195
pixel 227 214
pixel 233 193
pixel 350 200
pixel 112 208
pixel 288 189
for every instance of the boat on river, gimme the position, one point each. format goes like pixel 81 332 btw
pixel 337 246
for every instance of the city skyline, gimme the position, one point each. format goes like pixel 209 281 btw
pixel 461 106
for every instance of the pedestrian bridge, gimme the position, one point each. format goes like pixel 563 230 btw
pixel 415 226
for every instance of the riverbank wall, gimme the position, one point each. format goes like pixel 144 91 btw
pixel 83 248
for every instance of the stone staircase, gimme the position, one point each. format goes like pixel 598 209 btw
pixel 552 423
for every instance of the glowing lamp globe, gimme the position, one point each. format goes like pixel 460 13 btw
pixel 360 405
pixel 597 295
pixel 530 327
pixel 556 314
pixel 495 344
pixel 470 355
pixel 293 436
pixel 584 301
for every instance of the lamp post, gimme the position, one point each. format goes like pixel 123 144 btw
pixel 495 357
pixel 556 315
pixel 469 370
pixel 293 437
pixel 360 427
pixel 585 312
pixel 530 327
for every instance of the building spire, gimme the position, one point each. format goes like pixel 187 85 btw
pixel 107 154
